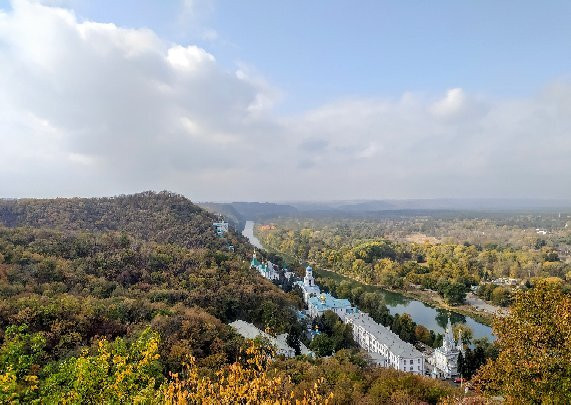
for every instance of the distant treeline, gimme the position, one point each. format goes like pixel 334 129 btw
pixel 448 268
pixel 237 213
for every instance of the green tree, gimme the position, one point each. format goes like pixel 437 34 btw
pixel 321 345
pixel 463 330
pixel 294 337
pixel 462 369
pixel 405 327
pixel 340 334
pixel 501 296
pixel 454 293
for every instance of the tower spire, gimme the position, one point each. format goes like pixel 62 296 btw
pixel 449 335
pixel 459 344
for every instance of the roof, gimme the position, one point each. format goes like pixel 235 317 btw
pixel 377 357
pixel 249 331
pixel 384 335
pixel 301 315
pixel 305 350
pixel 311 289
pixel 282 340
pixel 327 301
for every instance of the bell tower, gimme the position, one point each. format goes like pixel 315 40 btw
pixel 449 337
pixel 308 280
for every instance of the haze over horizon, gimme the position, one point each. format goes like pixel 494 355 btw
pixel 428 204
pixel 222 101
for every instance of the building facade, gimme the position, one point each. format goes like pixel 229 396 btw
pixel 385 347
pixel 220 228
pixel 317 305
pixel 267 270
pixel 308 286
pixel 444 360
pixel 249 331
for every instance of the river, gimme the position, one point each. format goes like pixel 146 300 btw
pixel 423 314
pixel 248 232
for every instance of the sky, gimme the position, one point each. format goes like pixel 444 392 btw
pixel 272 101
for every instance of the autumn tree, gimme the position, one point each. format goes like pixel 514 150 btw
pixel 20 357
pixel 464 332
pixel 534 340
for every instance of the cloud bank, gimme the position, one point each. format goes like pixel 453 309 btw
pixel 95 109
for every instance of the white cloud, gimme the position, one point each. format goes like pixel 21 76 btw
pixel 452 103
pixel 265 99
pixel 188 58
pixel 89 108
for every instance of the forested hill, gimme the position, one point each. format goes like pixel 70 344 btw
pixel 127 300
pixel 101 317
pixel 162 217
pixel 238 213
pixel 228 211
pixel 76 271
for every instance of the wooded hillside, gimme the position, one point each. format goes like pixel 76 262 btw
pixel 127 299
pixel 162 217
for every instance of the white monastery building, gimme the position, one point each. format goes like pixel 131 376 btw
pixel 444 360
pixel 326 302
pixel 385 347
pixel 267 270
pixel 249 331
pixel 308 286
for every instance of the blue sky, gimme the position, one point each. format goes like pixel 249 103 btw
pixel 421 99
pixel 321 50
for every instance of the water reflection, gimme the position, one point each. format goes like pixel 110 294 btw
pixel 442 316
pixel 423 314
pixel 393 299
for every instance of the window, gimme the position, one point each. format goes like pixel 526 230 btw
pixel 411 368
pixel 411 362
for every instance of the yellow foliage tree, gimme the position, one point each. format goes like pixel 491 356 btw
pixel 534 364
pixel 249 381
